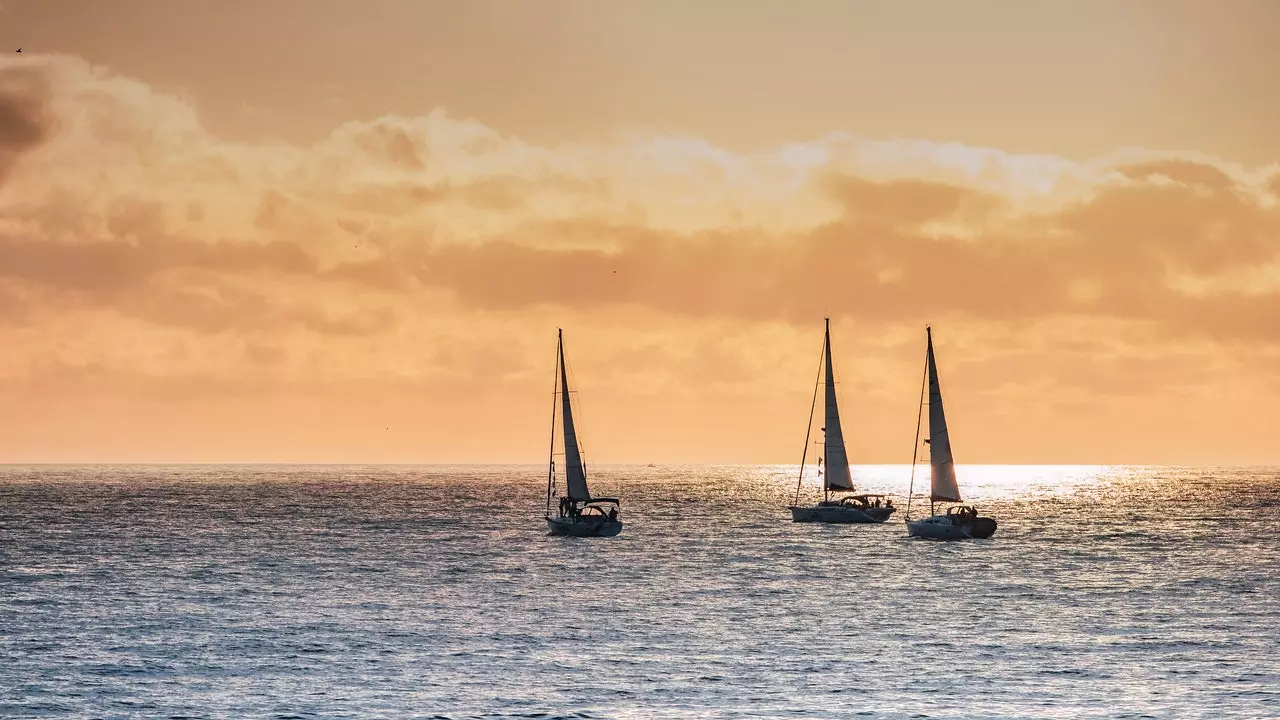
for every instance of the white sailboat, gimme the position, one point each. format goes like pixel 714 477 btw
pixel 960 522
pixel 836 478
pixel 578 513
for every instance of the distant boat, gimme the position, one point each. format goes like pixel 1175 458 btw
pixel 836 478
pixel 578 513
pixel 960 522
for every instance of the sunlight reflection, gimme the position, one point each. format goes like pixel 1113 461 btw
pixel 977 482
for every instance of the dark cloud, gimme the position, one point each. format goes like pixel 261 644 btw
pixel 24 120
pixel 876 263
pixel 208 287
pixel 905 202
pixel 1181 171
pixel 1140 230
pixel 388 141
pixel 1111 256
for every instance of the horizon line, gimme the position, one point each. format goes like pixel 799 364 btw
pixel 251 463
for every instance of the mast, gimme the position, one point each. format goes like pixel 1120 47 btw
pixel 551 463
pixel 809 428
pixel 915 451
pixel 828 390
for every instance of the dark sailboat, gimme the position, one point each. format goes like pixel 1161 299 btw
pixel 959 522
pixel 578 513
pixel 836 477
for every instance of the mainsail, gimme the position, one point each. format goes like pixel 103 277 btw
pixel 943 467
pixel 834 455
pixel 575 475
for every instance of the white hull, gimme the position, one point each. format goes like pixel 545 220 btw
pixel 840 514
pixel 941 527
pixel 584 528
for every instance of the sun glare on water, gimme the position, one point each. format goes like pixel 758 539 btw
pixel 982 482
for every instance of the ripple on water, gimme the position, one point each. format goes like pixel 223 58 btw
pixel 297 592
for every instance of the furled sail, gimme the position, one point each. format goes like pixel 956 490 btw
pixel 575 475
pixel 943 467
pixel 835 458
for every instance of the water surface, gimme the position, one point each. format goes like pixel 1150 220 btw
pixel 237 592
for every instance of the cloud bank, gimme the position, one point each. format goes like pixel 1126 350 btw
pixel 146 260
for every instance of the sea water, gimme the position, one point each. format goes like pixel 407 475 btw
pixel 403 592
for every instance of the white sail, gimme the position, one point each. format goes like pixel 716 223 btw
pixel 943 484
pixel 834 455
pixel 575 475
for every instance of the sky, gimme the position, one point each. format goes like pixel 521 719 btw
pixel 325 231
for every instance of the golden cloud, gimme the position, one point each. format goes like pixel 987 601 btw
pixel 436 254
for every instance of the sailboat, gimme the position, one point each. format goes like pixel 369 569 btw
pixel 960 522
pixel 578 513
pixel 836 478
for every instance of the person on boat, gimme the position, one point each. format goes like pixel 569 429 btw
pixel 613 513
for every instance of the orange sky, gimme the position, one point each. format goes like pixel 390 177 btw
pixel 325 231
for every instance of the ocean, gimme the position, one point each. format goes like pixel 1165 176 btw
pixel 435 592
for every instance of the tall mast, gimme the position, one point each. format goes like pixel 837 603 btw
pixel 551 465
pixel 809 428
pixel 928 360
pixel 915 451
pixel 826 410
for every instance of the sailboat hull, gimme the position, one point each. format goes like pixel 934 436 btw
pixel 584 528
pixel 839 514
pixel 940 527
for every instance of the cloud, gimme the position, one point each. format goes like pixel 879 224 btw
pixel 437 252
pixel 23 120
pixel 402 203
pixel 909 251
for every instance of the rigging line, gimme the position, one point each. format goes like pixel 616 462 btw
pixel 809 430
pixel 915 451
